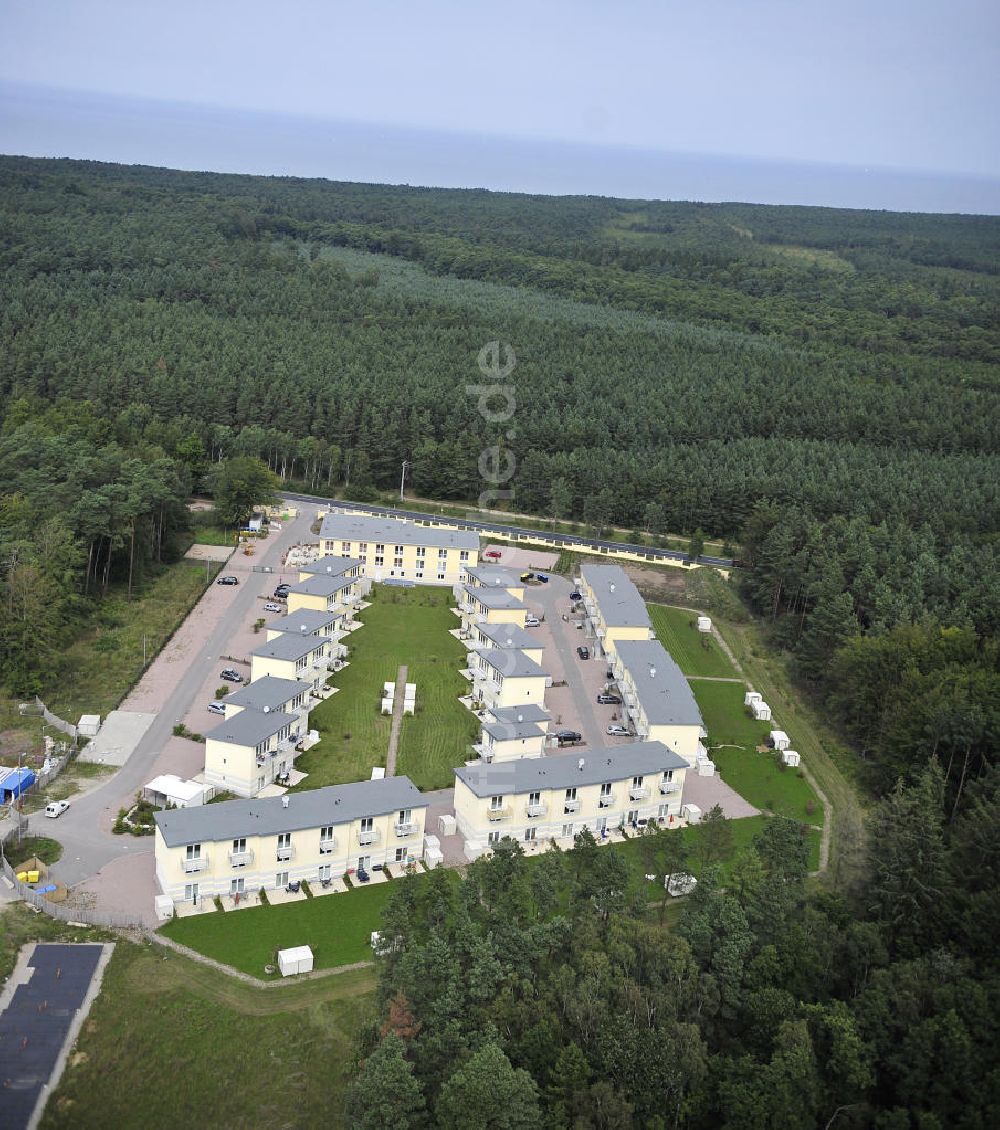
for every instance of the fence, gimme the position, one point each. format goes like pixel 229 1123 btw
pixel 39 707
pixel 87 915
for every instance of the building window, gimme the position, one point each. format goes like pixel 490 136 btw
pixel 364 559
pixel 398 550
pixel 463 555
pixel 495 803
pixel 534 798
pixel 379 548
pixel 379 560
pixel 420 574
pixel 567 831
pixel 345 548
pixel 606 789
pixel 440 576
pixel 401 855
pixel 280 880
pixel 193 851
pixel 421 550
pixel 571 793
pixel 493 837
pixel 636 782
pixel 325 872
pixel 442 555
pixel 529 835
pixel 237 886
pixel 398 562
pixel 362 547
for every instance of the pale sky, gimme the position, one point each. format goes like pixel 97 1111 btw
pixel 905 83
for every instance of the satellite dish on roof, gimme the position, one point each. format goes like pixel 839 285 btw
pixel 580 764
pixel 612 586
pixel 267 710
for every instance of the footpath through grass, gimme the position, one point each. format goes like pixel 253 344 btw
pixel 103 664
pixel 696 653
pixel 402 626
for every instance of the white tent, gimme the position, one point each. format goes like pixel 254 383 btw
pixel 790 757
pixel 298 959
pixel 706 768
pixel 780 740
pixel 433 857
pixel 704 623
pixel 761 711
pixel 164 905
pixel 179 793
pixel 378 772
pixel 751 697
pixel 447 825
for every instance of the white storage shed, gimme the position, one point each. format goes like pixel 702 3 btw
pixel 780 740
pixel 706 768
pixel 751 697
pixel 298 959
pixel 704 623
pixel 790 757
pixel 691 813
pixel 761 711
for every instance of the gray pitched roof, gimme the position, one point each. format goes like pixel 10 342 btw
pixel 250 727
pixel 617 597
pixel 331 566
pixel 528 712
pixel 494 598
pixel 511 664
pixel 489 576
pixel 312 619
pixel 663 692
pixel 323 585
pixel 270 692
pixel 393 531
pixel 289 646
pixel 562 771
pixel 507 731
pixel 266 816
pixel 510 635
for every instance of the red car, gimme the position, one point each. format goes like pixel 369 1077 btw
pixel 492 554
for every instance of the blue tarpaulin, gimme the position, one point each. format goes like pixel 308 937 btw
pixel 15 782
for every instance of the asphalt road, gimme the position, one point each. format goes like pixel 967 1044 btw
pixel 87 846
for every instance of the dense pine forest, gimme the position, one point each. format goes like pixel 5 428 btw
pixel 817 386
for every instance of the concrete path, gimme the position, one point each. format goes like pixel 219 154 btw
pixel 398 701
pixel 84 830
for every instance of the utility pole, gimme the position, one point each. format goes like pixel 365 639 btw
pixel 402 478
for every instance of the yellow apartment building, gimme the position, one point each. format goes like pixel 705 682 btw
pixel 239 846
pixel 614 606
pixel 304 659
pixel 493 577
pixel 504 678
pixel 251 750
pixel 541 798
pixel 506 636
pixel 391 548
pixel 478 605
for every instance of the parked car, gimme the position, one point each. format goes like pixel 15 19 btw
pixel 583 652
pixel 228 579
pixel 542 577
pixel 527 576
pixel 282 591
pixel 230 675
pixel 272 607
pixel 609 700
pixel 216 708
pixel 616 731
pixel 56 808
pixel 574 595
pixel 565 737
pixel 492 555
pixel 531 621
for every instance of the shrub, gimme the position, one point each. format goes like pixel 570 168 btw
pixel 179 730
pixel 218 902
pixel 120 827
pixel 221 692
pixel 107 643
pixel 305 888
pixel 262 895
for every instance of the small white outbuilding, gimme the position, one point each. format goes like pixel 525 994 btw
pixel 706 768
pixel 704 623
pixel 433 857
pixel 762 712
pixel 790 757
pixel 298 959
pixel 780 740
pixel 751 697
pixel 447 825
pixel 691 813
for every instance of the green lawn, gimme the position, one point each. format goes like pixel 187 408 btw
pixel 104 663
pixel 403 626
pixel 726 718
pixel 696 653
pixel 213 535
pixel 170 1042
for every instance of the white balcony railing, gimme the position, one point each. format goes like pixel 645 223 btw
pixel 240 858
pixel 606 800
pixel 496 814
pixel 407 828
pixel 571 806
pixel 667 787
pixel 285 853
pixel 328 845
pixel 195 863
pixel 638 792
pixel 536 809
pixel 369 835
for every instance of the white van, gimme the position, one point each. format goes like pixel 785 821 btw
pixel 56 808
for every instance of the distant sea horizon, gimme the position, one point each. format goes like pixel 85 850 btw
pixel 47 122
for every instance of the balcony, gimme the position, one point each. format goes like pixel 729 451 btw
pixel 240 858
pixel 638 792
pixel 369 835
pixel 571 806
pixel 533 810
pixel 327 845
pixel 283 854
pixel 406 828
pixel 496 814
pixel 195 863
pixel 606 800
pixel 668 787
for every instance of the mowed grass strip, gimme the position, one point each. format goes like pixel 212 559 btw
pixel 726 719
pixel 171 1042
pixel 696 653
pixel 336 927
pixel 402 626
pixel 100 667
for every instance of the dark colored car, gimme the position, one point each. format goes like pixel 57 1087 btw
pixel 609 700
pixel 542 577
pixel 566 736
pixel 229 579
pixel 583 652
pixel 230 675
pixel 574 595
pixel 282 591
